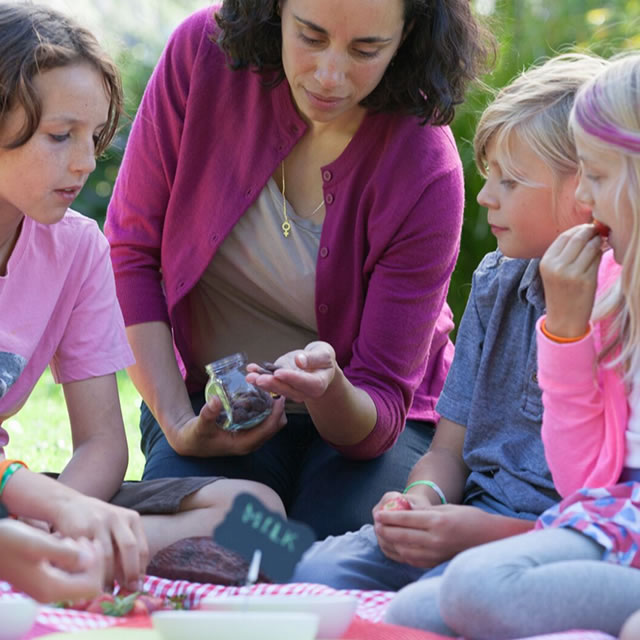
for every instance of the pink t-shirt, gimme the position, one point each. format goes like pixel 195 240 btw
pixel 58 306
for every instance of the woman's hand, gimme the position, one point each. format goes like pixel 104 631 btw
pixel 302 375
pixel 119 532
pixel 569 271
pixel 201 436
pixel 47 567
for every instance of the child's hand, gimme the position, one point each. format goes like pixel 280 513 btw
pixel 47 567
pixel 427 537
pixel 118 530
pixel 569 271
pixel 303 374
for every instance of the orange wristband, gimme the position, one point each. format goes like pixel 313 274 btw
pixel 560 339
pixel 5 464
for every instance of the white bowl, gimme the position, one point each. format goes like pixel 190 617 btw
pixel 17 616
pixel 234 625
pixel 335 612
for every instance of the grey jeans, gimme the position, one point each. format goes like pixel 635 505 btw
pixel 544 581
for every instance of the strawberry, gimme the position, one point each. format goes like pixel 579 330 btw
pixel 601 228
pixel 98 604
pixel 397 504
pixel 120 606
pixel 151 602
pixel 139 608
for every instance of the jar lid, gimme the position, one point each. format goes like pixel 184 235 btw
pixel 229 362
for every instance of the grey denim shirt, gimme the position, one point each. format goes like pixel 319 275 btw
pixel 492 387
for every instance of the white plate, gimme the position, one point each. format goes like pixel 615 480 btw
pixel 335 612
pixel 17 616
pixel 234 625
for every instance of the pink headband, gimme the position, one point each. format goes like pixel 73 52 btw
pixel 591 121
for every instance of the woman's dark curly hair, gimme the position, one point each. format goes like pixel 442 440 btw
pixel 445 48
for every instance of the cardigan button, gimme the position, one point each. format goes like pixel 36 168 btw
pixel 327 175
pixel 324 252
pixel 323 308
pixel 330 198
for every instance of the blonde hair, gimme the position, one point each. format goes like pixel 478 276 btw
pixel 535 106
pixel 607 111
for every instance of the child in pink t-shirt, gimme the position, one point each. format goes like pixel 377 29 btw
pixel 60 99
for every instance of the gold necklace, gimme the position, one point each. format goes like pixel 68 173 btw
pixel 286 225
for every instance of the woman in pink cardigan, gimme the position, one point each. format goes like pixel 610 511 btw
pixel 290 190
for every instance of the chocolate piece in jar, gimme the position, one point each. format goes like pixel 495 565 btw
pixel 244 405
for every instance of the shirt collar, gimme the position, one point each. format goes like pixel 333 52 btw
pixel 530 288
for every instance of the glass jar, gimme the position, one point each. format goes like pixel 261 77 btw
pixel 243 405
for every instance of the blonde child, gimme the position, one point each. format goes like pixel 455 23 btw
pixel 579 570
pixel 485 476
pixel 60 99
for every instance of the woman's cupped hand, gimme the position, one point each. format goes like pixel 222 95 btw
pixel 300 375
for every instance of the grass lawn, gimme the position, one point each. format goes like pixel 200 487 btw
pixel 40 435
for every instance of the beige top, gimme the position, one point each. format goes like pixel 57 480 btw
pixel 257 294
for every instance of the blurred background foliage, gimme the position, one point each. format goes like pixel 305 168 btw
pixel 527 31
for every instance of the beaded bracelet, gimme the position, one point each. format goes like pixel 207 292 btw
pixel 428 483
pixel 7 469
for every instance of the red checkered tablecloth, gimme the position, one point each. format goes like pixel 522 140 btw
pixel 367 624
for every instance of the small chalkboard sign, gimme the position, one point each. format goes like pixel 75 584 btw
pixel 250 526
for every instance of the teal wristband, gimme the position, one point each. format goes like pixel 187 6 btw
pixel 9 471
pixel 433 485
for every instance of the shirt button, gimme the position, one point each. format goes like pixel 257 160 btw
pixel 323 308
pixel 534 377
pixel 324 252
pixel 329 199
pixel 327 175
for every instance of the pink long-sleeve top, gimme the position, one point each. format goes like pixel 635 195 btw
pixel 585 405
pixel 205 142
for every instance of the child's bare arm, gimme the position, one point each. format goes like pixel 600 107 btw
pixel 100 453
pixel 442 464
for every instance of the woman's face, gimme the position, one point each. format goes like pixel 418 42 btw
pixel 335 52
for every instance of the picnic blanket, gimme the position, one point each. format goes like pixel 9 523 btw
pixel 367 624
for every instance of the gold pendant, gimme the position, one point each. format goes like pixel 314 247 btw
pixel 286 227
